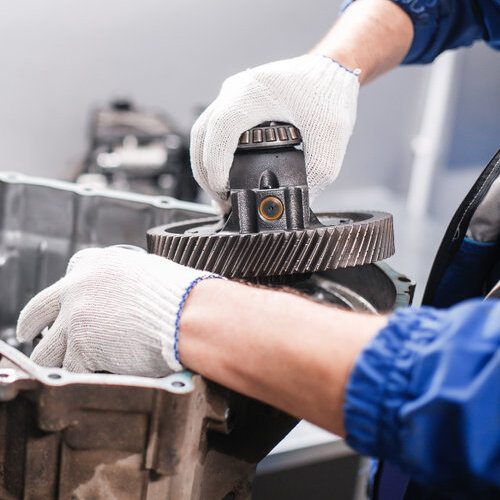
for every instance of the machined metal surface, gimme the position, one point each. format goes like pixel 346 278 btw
pixel 44 222
pixel 92 436
pixel 355 239
pixel 270 135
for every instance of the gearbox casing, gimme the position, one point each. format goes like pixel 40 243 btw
pixel 72 436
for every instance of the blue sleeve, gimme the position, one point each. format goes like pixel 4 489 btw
pixel 440 25
pixel 425 395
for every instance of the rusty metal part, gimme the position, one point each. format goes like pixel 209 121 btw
pixel 347 239
pixel 106 436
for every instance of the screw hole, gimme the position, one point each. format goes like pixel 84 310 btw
pixel 271 208
pixel 54 375
pixel 178 383
pixel 403 279
pixel 4 375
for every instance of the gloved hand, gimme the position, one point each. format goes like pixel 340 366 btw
pixel 312 92
pixel 115 310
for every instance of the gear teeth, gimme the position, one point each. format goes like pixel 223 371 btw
pixel 372 244
pixel 353 254
pixel 367 239
pixel 285 249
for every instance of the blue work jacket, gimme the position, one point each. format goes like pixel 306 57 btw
pixel 424 395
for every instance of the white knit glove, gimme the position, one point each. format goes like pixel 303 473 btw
pixel 115 310
pixel 312 92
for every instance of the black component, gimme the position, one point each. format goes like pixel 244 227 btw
pixel 136 150
pixel 122 105
pixel 271 231
pixel 268 182
pixel 455 233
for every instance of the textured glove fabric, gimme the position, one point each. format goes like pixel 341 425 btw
pixel 115 310
pixel 312 92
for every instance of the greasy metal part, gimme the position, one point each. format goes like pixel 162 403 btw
pixel 106 436
pixel 88 436
pixel 374 288
pixel 271 230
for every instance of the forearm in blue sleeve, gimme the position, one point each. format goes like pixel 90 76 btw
pixel 440 25
pixel 425 395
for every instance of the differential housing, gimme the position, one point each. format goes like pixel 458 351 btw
pixel 271 229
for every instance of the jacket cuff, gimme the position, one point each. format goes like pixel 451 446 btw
pixel 378 385
pixel 420 12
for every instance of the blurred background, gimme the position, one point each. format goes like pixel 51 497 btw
pixel 423 133
pixel 61 60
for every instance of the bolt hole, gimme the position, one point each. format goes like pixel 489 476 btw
pixel 165 202
pixel 178 384
pixel 4 375
pixel 54 375
pixel 403 279
pixel 271 208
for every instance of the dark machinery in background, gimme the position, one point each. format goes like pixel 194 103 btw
pixel 136 150
pixel 74 436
